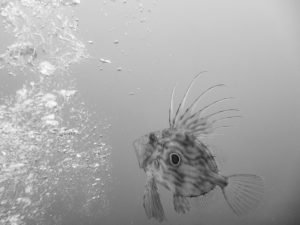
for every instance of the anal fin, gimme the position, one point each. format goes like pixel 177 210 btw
pixel 205 200
pixel 181 203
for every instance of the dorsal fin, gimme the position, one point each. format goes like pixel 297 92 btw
pixel 191 120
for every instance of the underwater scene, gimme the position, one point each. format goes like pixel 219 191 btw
pixel 149 112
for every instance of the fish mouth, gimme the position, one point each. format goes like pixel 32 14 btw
pixel 143 151
pixel 140 151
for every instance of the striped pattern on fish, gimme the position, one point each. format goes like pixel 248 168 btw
pixel 179 160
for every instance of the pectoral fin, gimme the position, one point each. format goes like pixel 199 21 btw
pixel 152 203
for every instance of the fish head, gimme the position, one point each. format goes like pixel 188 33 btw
pixel 145 148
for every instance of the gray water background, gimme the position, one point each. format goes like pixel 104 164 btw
pixel 251 46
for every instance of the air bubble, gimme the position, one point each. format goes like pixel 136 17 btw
pixel 105 60
pixel 46 68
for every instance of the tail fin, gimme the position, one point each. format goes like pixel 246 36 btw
pixel 243 192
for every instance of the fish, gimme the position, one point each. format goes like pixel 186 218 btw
pixel 178 159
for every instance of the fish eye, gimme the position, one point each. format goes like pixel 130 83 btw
pixel 175 159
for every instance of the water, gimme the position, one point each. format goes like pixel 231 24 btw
pixel 80 80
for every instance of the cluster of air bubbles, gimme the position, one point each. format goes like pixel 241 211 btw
pixel 49 148
pixel 44 35
pixel 52 149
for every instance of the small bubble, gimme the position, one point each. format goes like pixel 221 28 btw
pixel 119 69
pixel 90 42
pixel 143 20
pixel 105 60
pixel 49 117
pixel 28 189
pixel 67 93
pixel 51 104
pixel 12 74
pixel 116 41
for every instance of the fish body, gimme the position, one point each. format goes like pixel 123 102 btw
pixel 179 160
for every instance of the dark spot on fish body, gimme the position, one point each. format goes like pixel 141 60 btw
pixel 152 139
pixel 190 138
pixel 166 133
pixel 179 136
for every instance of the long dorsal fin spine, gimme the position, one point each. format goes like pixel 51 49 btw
pixel 181 104
pixel 211 104
pixel 171 107
pixel 199 132
pixel 221 111
pixel 224 118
